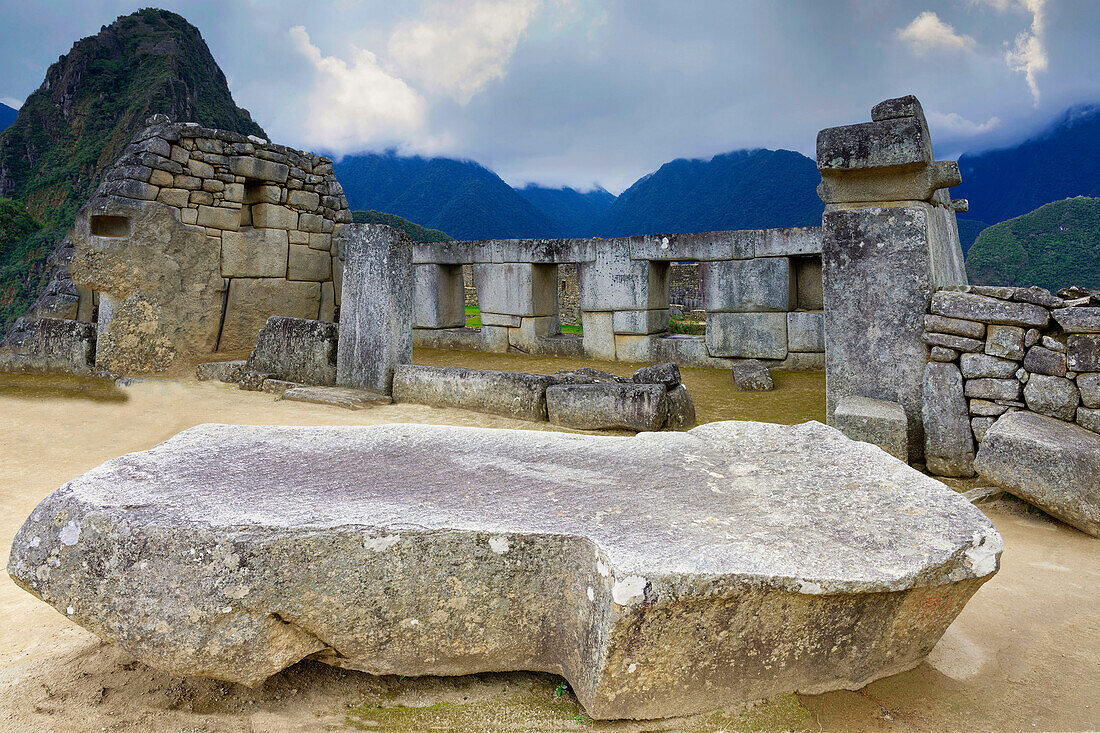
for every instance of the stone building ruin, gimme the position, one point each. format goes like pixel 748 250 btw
pixel 196 237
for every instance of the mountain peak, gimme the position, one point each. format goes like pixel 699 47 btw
pixel 75 125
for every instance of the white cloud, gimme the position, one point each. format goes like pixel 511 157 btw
pixel 11 102
pixel 357 104
pixel 955 124
pixel 461 46
pixel 927 32
pixel 1028 53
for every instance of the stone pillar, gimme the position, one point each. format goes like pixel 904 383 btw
pixel 519 296
pixel 623 301
pixel 889 240
pixel 375 307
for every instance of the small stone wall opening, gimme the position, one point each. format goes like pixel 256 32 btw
pixel 686 311
pixel 569 298
pixel 470 296
pixel 253 194
pixel 116 227
pixel 808 283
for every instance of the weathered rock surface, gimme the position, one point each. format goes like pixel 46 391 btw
pixel 948 438
pixel 751 376
pixel 974 307
pixel 681 409
pixel 350 399
pixel 667 374
pixel 587 375
pixel 877 422
pixel 221 371
pixel 513 394
pixel 1054 396
pixel 607 406
pixel 376 307
pixel 51 345
pixel 666 574
pixel 1046 462
pixel 297 349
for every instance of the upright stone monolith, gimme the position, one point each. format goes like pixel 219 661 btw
pixel 889 241
pixel 375 307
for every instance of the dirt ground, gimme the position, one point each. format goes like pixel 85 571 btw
pixel 1024 654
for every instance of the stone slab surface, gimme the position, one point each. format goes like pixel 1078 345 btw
pixel 352 399
pixel 661 574
pixel 607 406
pixel 877 422
pixel 1046 462
pixel 512 394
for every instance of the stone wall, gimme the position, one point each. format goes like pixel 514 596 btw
pixel 995 350
pixel 197 236
pixel 761 290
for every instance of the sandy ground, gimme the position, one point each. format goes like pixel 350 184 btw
pixel 1024 654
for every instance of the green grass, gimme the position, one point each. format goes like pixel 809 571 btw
pixel 473 320
pixel 691 328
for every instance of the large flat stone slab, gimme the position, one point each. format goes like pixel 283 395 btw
pixel 661 574
pixel 1046 462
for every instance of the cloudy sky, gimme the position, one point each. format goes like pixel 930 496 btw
pixel 584 92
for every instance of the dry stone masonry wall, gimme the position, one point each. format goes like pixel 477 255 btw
pixel 995 350
pixel 197 236
pixel 761 290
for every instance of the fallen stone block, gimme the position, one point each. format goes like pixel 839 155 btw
pixel 351 399
pixel 1046 462
pixel 877 422
pixel 279 386
pixel 667 374
pixel 254 381
pixel 221 371
pixel 297 350
pixel 587 375
pixel 751 376
pixel 52 345
pixel 659 581
pixel 607 406
pixel 512 394
pixel 681 409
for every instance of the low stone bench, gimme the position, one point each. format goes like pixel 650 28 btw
pixel 661 574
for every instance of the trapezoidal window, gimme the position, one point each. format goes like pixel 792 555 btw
pixel 117 227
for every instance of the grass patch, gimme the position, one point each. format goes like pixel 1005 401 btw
pixel 473 320
pixel 684 326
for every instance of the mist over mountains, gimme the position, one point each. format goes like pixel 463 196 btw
pixel 746 189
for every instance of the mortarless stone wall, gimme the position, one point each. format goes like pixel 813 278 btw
pixel 995 350
pixel 197 236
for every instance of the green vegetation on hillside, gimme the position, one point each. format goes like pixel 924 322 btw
pixel 93 101
pixel 416 232
pixel 18 232
pixel 1054 246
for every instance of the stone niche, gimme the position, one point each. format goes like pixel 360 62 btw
pixel 197 236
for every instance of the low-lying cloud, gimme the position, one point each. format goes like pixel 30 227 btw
pixel 928 33
pixel 357 101
pixel 460 47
